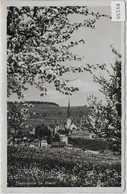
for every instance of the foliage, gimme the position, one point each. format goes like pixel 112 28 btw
pixel 17 116
pixel 38 44
pixel 97 118
pixel 112 88
pixel 42 131
pixel 105 120
pixel 61 167
pixel 56 138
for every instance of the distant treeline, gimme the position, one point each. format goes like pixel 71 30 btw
pixel 35 102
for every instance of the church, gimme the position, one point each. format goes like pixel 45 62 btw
pixel 75 129
pixel 69 122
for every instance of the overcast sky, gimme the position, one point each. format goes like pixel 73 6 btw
pixel 95 50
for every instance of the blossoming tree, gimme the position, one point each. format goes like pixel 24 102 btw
pixel 39 43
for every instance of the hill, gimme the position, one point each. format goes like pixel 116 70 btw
pixel 36 102
pixel 47 112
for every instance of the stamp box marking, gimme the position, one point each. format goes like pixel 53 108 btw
pixel 118 11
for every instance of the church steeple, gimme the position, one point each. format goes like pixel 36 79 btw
pixel 68 109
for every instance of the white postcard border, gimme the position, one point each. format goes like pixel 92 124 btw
pixel 4 105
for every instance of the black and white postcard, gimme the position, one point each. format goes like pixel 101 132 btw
pixel 63 96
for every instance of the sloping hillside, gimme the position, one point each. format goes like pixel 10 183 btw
pixel 50 112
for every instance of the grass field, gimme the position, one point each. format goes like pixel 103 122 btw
pixel 56 167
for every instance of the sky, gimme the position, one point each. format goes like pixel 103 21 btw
pixel 95 50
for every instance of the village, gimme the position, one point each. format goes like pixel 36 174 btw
pixel 55 134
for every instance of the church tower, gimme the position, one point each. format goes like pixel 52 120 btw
pixel 69 121
pixel 68 109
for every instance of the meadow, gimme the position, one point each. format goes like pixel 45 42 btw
pixel 61 167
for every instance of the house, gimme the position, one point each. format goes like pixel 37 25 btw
pixel 64 138
pixel 32 132
pixel 56 128
pixel 73 127
pixel 43 142
pixel 92 135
